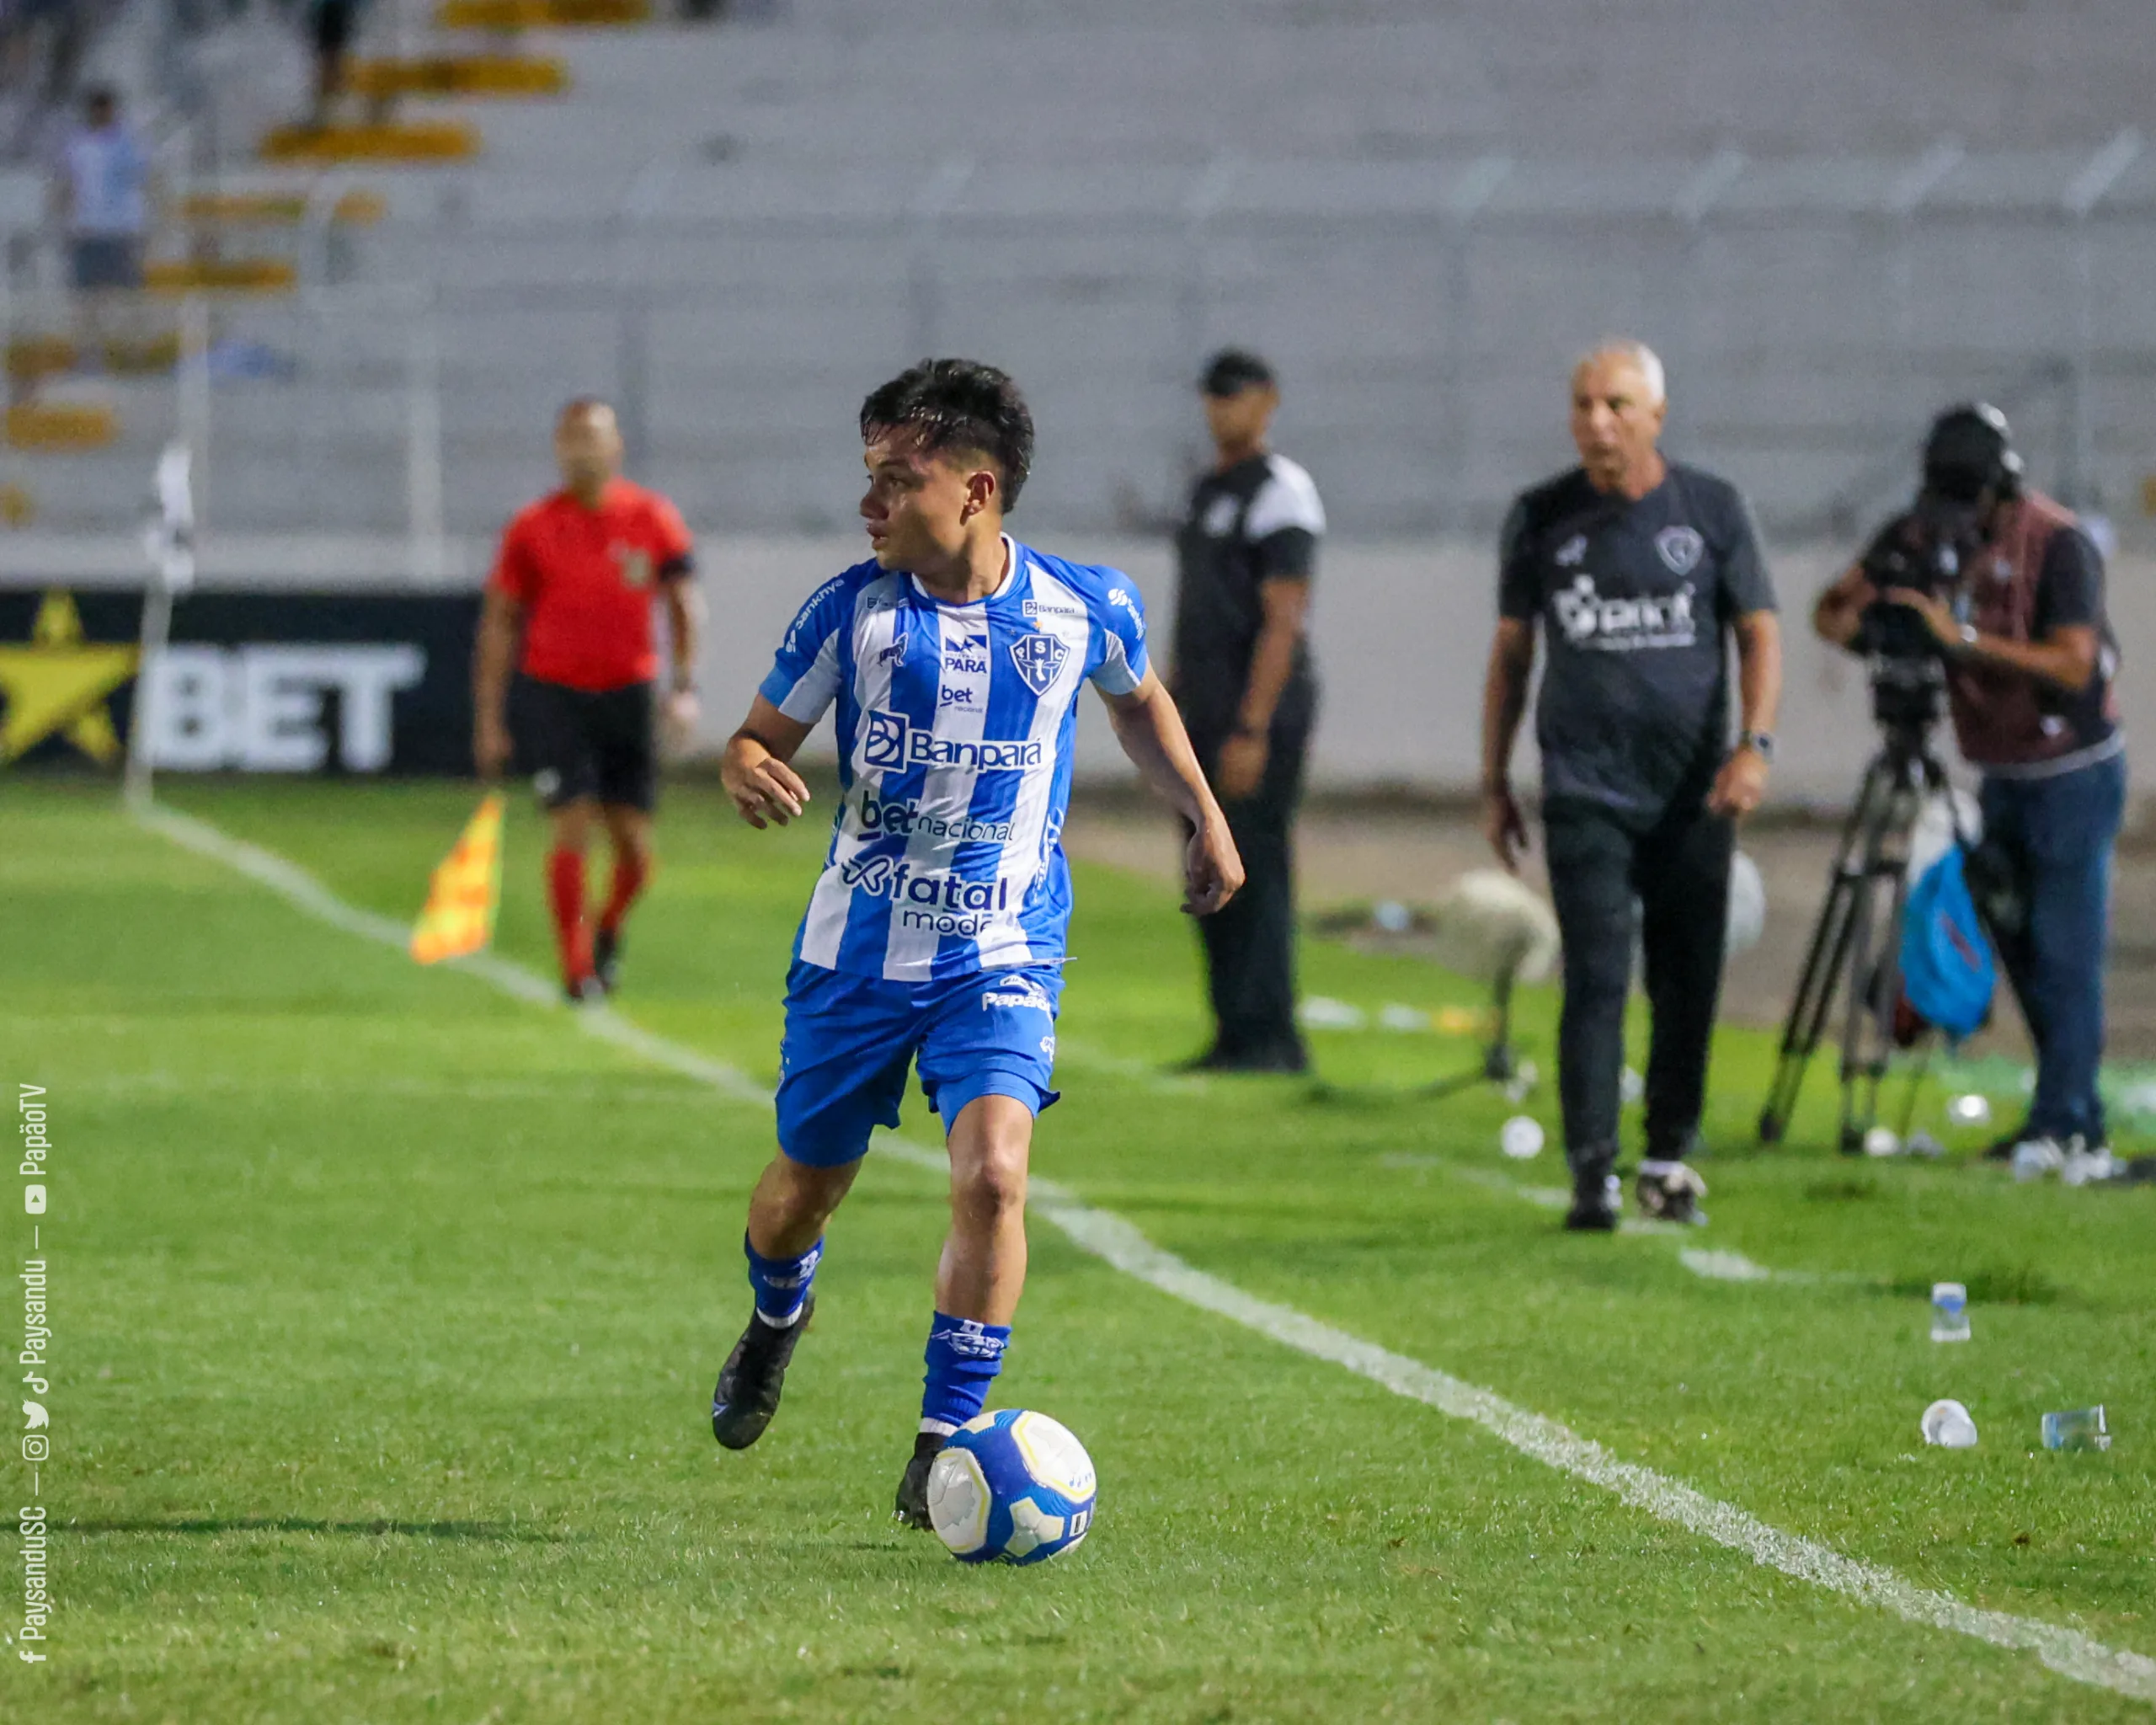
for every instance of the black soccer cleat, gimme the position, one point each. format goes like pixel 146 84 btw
pixel 753 1375
pixel 1670 1191
pixel 1595 1192
pixel 912 1507
pixel 606 958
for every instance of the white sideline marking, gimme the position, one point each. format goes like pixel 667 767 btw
pixel 1109 1237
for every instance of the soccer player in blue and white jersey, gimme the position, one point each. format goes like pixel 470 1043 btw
pixel 935 933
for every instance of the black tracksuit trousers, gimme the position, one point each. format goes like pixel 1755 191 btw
pixel 1249 943
pixel 1679 872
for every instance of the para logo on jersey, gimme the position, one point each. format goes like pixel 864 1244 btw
pixel 1040 659
pixel 1680 548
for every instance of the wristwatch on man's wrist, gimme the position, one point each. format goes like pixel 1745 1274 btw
pixel 1760 743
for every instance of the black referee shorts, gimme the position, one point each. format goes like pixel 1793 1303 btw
pixel 584 744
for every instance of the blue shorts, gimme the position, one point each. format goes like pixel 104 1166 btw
pixel 848 1040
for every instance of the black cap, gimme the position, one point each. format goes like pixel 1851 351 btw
pixel 1232 371
pixel 1970 451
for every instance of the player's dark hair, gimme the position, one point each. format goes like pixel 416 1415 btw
pixel 959 404
pixel 1232 371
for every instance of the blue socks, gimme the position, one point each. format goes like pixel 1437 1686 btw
pixel 781 1284
pixel 963 1358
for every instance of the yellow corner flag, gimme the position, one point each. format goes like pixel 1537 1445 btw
pixel 466 892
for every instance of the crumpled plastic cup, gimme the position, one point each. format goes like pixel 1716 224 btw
pixel 1947 1424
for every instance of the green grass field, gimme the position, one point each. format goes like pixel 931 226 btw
pixel 387 1309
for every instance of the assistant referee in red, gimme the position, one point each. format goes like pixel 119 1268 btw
pixel 577 579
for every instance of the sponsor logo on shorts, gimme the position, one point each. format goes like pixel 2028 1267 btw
pixel 903 819
pixel 1020 992
pixel 891 742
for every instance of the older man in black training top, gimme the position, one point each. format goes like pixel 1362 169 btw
pixel 1243 681
pixel 1637 567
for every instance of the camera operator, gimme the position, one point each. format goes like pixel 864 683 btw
pixel 2002 584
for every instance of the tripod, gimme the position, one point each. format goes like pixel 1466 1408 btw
pixel 1853 945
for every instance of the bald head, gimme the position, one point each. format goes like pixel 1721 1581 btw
pixel 587 447
pixel 1619 400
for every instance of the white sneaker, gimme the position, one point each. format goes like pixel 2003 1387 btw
pixel 2035 1157
pixel 1670 1191
pixel 2084 1164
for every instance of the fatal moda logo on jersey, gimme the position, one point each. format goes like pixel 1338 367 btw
pixel 892 744
pixel 894 878
pixel 1040 659
pixel 1680 548
pixel 1625 624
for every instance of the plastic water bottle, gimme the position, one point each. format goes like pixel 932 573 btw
pixel 1948 1424
pixel 1949 1312
pixel 2077 1429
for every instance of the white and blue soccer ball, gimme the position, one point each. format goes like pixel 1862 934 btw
pixel 1010 1488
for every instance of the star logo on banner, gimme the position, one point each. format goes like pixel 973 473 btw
pixel 59 683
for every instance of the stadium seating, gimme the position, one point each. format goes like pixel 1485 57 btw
pixel 1421 211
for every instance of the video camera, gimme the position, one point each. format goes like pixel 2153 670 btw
pixel 1969 463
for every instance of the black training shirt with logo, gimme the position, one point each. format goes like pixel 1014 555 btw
pixel 1259 520
pixel 1635 600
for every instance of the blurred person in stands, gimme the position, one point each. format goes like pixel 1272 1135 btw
pixel 1638 569
pixel 101 193
pixel 2019 620
pixel 330 25
pixel 1244 684
pixel 570 603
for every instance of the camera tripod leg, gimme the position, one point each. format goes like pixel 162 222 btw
pixel 1826 958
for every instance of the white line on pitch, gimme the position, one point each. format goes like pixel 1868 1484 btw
pixel 1109 1236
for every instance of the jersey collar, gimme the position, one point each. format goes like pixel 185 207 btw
pixel 1013 560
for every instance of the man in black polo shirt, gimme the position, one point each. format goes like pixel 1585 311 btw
pixel 1243 681
pixel 1637 568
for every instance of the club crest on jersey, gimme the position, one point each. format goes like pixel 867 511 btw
pixel 1680 548
pixel 634 563
pixel 1039 658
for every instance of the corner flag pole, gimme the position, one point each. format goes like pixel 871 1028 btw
pixel 169 538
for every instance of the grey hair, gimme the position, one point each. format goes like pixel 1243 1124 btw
pixel 1641 355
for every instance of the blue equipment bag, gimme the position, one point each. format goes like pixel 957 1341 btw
pixel 1948 972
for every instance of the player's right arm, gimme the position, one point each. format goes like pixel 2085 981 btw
pixel 501 619
pixel 755 768
pixel 511 588
pixel 1504 690
pixel 804 678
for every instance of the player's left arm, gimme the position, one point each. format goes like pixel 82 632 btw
pixel 1150 731
pixel 684 616
pixel 684 624
pixel 1742 783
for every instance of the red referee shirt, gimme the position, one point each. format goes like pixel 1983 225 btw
pixel 586 579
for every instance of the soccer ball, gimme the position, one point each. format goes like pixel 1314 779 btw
pixel 1010 1488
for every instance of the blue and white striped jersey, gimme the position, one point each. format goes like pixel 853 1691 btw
pixel 956 725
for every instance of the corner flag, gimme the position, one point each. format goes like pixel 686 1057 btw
pixel 466 892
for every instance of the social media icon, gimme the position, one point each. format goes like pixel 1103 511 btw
pixel 36 1447
pixel 35 1416
pixel 33 1200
